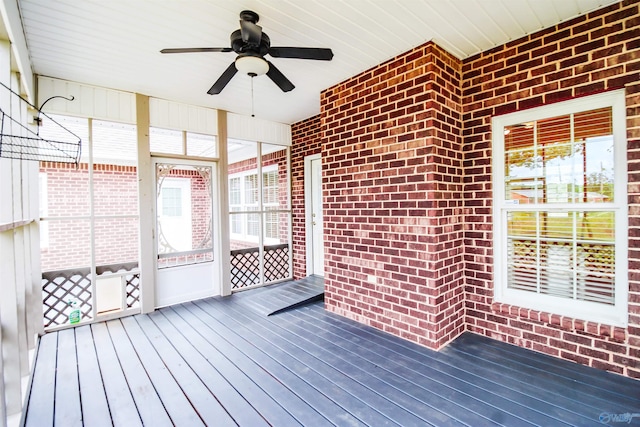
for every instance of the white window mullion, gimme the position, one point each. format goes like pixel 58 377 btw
pixel 537 181
pixel 538 240
pixel 572 199
pixel 574 250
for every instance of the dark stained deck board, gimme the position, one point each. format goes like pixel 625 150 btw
pixel 150 407
pixel 400 388
pixel 500 392
pixel 42 396
pixel 121 403
pixel 170 393
pixel 222 361
pixel 293 394
pixel 263 343
pixel 542 376
pixel 95 408
pixel 561 395
pixel 230 398
pixel 421 382
pixel 243 380
pixel 597 382
pixel 195 388
pixel 353 391
pixel 67 411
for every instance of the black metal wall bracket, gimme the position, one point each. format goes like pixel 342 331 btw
pixel 19 141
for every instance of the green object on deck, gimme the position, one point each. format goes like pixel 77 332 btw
pixel 74 316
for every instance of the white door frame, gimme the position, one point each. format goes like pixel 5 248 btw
pixel 308 214
pixel 166 277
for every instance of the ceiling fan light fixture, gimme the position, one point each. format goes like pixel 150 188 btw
pixel 252 65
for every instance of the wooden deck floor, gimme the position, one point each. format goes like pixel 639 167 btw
pixel 224 362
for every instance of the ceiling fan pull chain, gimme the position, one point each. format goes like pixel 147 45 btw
pixel 252 115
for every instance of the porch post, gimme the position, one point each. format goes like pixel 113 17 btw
pixel 146 202
pixel 223 208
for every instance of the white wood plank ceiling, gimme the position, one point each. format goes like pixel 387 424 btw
pixel 116 43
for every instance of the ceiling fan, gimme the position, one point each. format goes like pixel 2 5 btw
pixel 251 45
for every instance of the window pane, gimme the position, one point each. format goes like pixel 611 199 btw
pixel 253 225
pixel 553 132
pixel 202 145
pixel 69 245
pixel 235 193
pixel 271 226
pixel 275 193
pixel 521 164
pixel 562 171
pixel 172 201
pixel 556 268
pixel 543 164
pixel 522 261
pixel 596 268
pixel 67 185
pixel 270 188
pixel 115 178
pixel 79 126
pixel 594 123
pixel 561 258
pixel 557 225
pixel 596 226
pixel 165 141
pixel 522 224
pixel 67 189
pixel 251 190
pixel 599 169
pixel 114 143
pixel 236 221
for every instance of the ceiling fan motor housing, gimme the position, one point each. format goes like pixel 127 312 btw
pixel 240 46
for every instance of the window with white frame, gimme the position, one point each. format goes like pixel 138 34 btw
pixel 172 201
pixel 243 198
pixel 560 210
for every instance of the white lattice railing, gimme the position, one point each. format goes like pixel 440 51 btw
pixel 61 286
pixel 245 265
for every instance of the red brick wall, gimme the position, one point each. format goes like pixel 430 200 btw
pixel 393 197
pixel 590 54
pixel 306 136
pixel 395 149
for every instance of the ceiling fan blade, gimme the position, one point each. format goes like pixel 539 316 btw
pixel 251 33
pixel 223 79
pixel 302 53
pixel 196 49
pixel 279 78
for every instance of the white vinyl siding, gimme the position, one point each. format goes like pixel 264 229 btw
pixel 560 209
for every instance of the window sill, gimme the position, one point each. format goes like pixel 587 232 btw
pixel 557 321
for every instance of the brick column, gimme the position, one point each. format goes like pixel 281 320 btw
pixel 393 197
